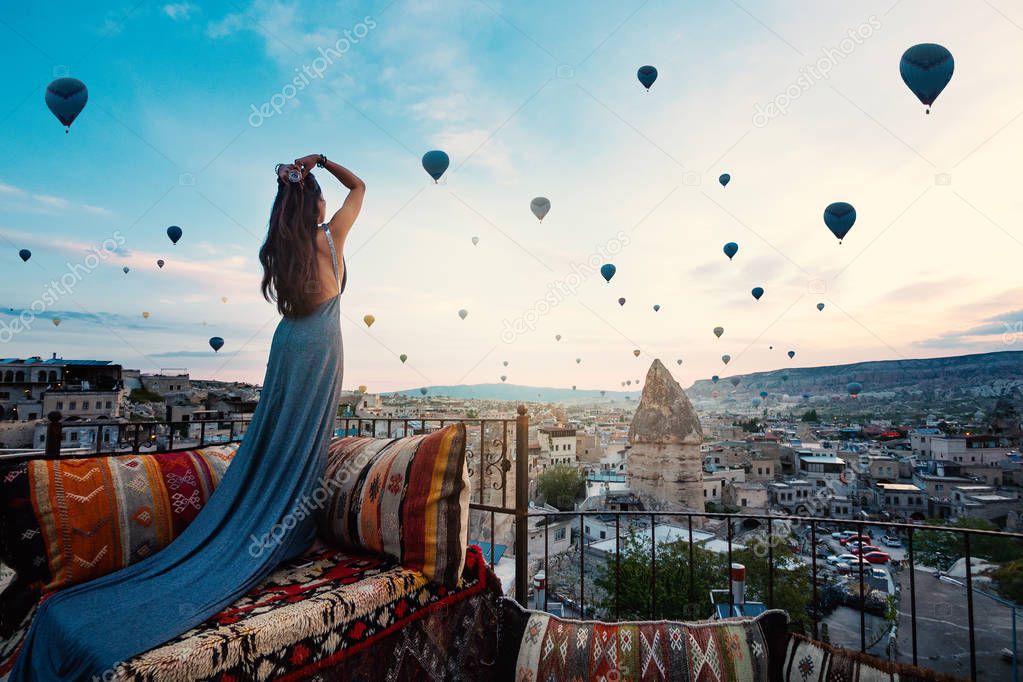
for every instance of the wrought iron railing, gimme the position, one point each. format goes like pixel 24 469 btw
pixel 497 461
pixel 777 530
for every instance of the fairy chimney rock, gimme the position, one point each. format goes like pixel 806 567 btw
pixel 665 462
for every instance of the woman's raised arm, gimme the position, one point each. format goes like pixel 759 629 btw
pixel 345 217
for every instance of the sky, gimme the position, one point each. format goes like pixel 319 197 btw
pixel 191 105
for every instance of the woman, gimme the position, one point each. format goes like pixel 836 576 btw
pixel 251 522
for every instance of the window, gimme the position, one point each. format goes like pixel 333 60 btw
pixel 73 405
pixel 705 492
pixel 60 404
pixel 559 534
pixel 110 405
pixel 587 530
pixel 74 436
pixel 85 404
pixel 743 502
pixel 603 535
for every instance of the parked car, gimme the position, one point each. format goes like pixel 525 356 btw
pixel 843 534
pixel 877 557
pixel 833 559
pixel 855 538
pixel 850 559
pixel 891 541
pixel 863 550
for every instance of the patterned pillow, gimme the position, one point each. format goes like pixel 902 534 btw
pixel 807 660
pixel 407 498
pixel 66 521
pixel 552 648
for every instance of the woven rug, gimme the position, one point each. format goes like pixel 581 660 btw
pixel 344 617
pixel 807 660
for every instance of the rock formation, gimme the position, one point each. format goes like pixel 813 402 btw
pixel 665 462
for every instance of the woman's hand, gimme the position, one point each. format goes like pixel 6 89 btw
pixel 307 163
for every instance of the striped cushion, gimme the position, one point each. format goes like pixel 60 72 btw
pixel 67 521
pixel 407 498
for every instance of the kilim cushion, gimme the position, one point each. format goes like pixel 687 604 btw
pixel 548 648
pixel 66 521
pixel 407 498
pixel 807 660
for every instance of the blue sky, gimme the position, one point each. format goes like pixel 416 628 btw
pixel 529 99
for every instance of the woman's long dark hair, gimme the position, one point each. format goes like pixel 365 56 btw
pixel 289 253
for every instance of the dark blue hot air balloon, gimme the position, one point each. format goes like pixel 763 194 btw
pixel 854 388
pixel 839 217
pixel 621 301
pixel 715 378
pixel 216 343
pixel 608 271
pixel 647 75
pixel 66 97
pixel 25 254
pixel 757 292
pixel 926 69
pixel 731 248
pixel 174 232
pixel 724 179
pixel 763 394
pixel 423 391
pixel 435 163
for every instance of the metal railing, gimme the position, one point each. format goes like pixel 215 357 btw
pixel 774 523
pixel 497 459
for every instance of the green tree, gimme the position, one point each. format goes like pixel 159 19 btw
pixel 1009 580
pixel 810 416
pixel 941 549
pixel 708 570
pixel 562 485
pixel 141 395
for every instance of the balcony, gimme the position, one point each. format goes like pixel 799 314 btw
pixel 659 564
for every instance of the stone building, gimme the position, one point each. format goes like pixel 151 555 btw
pixel 665 463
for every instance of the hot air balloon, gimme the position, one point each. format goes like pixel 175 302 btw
pixel 839 217
pixel 656 307
pixel 362 388
pixel 66 97
pixel 505 363
pixel 423 390
pixel 475 241
pixel 926 69
pixel 503 377
pixel 806 396
pixel 763 394
pixel 820 306
pixel 56 321
pixel 403 358
pixel 608 271
pixel 145 315
pixel 160 263
pixel 216 343
pixel 557 337
pixel 730 249
pixel 603 393
pixel 628 382
pixel 735 381
pixel 578 360
pixel 854 388
pixel 25 254
pixel 369 320
pixel 126 269
pixel 784 377
pixel 463 313
pixel 636 353
pixel 174 232
pixel 791 354
pixel 757 292
pixel 679 362
pixel 718 331
pixel 714 394
pixel 724 179
pixel 621 301
pixel 223 299
pixel 540 206
pixel 726 358
pixel 646 75
pixel 715 378
pixel 435 163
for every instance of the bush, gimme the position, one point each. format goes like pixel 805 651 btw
pixel 141 395
pixel 562 485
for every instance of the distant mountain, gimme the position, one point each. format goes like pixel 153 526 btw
pixel 514 392
pixel 984 375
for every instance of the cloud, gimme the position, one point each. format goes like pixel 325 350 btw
pixel 31 201
pixel 179 11
pixel 187 354
pixel 1006 327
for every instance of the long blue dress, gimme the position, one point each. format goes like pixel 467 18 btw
pixel 253 521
